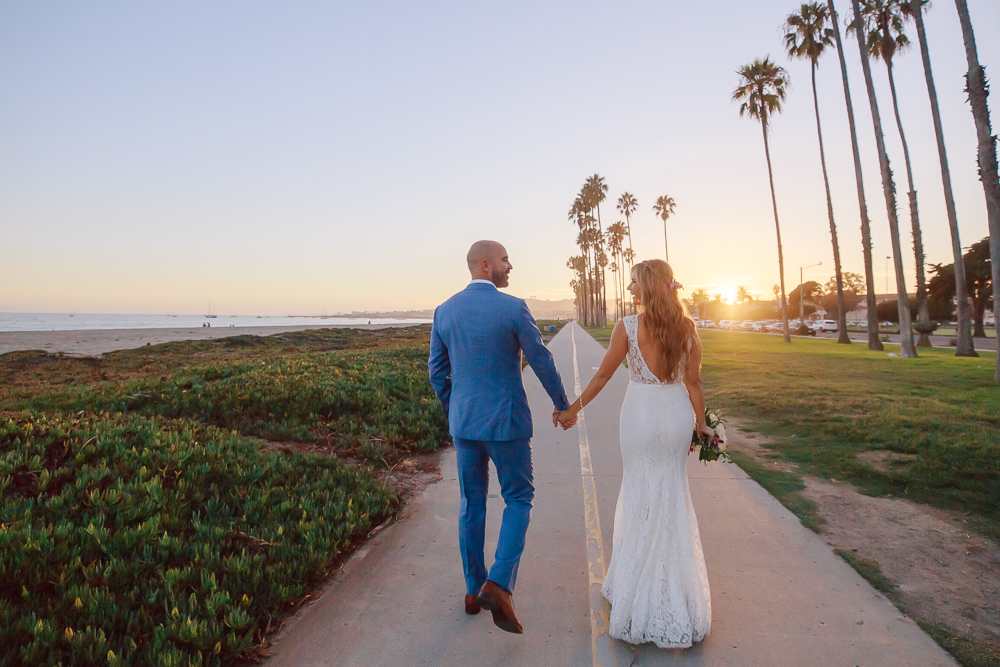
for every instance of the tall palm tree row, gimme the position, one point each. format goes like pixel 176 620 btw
pixel 807 34
pixel 594 192
pixel 975 86
pixel 874 342
pixel 762 88
pixel 907 349
pixel 965 346
pixel 883 21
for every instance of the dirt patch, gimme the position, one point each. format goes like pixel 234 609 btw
pixel 886 461
pixel 945 572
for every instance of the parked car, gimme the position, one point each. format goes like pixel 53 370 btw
pixel 824 325
pixel 747 325
pixel 707 324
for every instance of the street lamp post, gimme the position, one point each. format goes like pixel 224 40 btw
pixel 802 306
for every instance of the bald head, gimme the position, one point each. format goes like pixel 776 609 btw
pixel 488 261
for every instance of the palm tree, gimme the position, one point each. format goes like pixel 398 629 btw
pixel 889 192
pixel 762 89
pixel 577 214
pixel 975 85
pixel 884 26
pixel 743 296
pixel 616 236
pixel 874 343
pixel 807 34
pixel 627 205
pixel 965 347
pixel 664 207
pixel 578 264
pixel 594 192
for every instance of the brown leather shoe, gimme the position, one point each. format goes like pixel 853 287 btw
pixel 471 604
pixel 499 601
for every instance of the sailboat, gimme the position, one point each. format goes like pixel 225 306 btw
pixel 210 315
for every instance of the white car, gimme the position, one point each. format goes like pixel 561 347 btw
pixel 824 325
pixel 747 325
pixel 707 324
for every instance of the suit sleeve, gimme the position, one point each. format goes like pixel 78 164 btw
pixel 540 358
pixel 439 366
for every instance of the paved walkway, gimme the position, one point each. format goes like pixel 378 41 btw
pixel 779 595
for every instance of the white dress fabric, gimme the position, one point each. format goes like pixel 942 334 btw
pixel 657 582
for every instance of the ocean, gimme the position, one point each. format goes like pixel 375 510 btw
pixel 89 321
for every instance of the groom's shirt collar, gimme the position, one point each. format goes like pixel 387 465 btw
pixel 481 280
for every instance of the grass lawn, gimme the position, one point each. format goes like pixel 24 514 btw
pixel 936 418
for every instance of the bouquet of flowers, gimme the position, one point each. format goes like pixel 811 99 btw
pixel 711 448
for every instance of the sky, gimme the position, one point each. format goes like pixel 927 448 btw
pixel 323 157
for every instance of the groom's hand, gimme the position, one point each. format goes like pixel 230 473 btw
pixel 555 417
pixel 569 423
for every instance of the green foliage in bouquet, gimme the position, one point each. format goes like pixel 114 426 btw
pixel 125 540
pixel 711 448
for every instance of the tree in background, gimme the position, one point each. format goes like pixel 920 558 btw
pixel 811 291
pixel 964 346
pixel 593 193
pixel 807 34
pixel 851 295
pixel 699 298
pixel 664 207
pixel 743 297
pixel 615 239
pixel 975 86
pixel 874 342
pixel 979 272
pixel 761 89
pixel 907 349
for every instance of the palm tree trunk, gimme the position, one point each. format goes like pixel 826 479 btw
pixel 918 245
pixel 628 229
pixel 907 348
pixel 777 227
pixel 975 82
pixel 842 336
pixel 874 343
pixel 666 250
pixel 965 347
pixel 603 295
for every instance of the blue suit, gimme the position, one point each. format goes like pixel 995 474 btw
pixel 475 368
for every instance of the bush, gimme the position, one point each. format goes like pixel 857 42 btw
pixel 347 398
pixel 128 541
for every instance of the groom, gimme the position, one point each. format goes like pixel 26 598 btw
pixel 475 368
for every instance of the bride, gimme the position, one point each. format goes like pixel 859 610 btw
pixel 657 583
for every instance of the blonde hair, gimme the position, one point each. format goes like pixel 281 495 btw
pixel 665 316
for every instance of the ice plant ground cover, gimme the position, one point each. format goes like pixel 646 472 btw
pixel 822 405
pixel 142 519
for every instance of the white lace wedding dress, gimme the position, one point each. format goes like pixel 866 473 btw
pixel 657 583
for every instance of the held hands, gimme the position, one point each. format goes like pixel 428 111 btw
pixel 565 418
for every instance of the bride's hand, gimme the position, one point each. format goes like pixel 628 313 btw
pixel 567 419
pixel 706 433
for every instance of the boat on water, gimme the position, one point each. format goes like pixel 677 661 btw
pixel 210 315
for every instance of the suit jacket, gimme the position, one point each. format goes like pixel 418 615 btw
pixel 475 364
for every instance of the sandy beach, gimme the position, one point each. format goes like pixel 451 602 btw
pixel 101 341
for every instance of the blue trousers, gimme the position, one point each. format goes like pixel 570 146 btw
pixel 512 459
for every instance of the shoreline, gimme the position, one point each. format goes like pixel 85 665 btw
pixel 96 342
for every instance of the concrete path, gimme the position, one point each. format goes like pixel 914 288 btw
pixel 779 595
